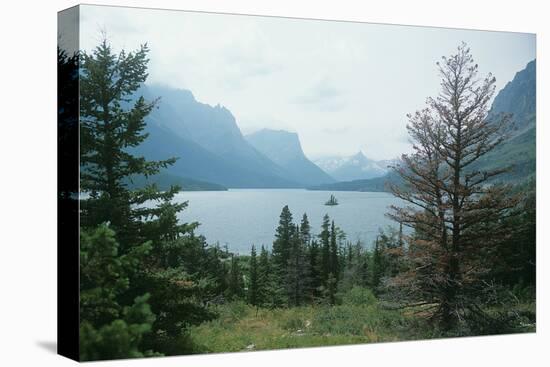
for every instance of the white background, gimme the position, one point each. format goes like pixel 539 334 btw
pixel 28 183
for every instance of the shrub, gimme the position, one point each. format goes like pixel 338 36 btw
pixel 359 296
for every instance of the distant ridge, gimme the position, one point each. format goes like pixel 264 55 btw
pixel 354 167
pixel 284 148
pixel 377 184
pixel 207 141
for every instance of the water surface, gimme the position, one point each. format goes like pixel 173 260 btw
pixel 242 217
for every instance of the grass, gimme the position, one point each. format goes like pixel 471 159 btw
pixel 360 319
pixel 240 326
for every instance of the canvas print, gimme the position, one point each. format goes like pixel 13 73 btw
pixel 237 183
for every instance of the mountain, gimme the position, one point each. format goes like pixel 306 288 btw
pixel 284 148
pixel 197 163
pixel 519 153
pixel 212 127
pixel 355 167
pixel 207 141
pixel 518 98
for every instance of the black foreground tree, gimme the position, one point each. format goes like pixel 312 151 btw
pixel 458 213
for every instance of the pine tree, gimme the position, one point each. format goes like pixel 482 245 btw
pixel 331 289
pixel 458 214
pixel 235 289
pixel 315 269
pixel 265 287
pixel 281 250
pixel 281 245
pixel 334 266
pixel 108 328
pixel 297 274
pixel 365 272
pixel 112 123
pixel 324 237
pixel 253 279
pixel 355 270
pixel 305 230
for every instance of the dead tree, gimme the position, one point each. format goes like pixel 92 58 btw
pixel 457 212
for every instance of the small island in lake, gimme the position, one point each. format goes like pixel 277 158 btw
pixel 332 201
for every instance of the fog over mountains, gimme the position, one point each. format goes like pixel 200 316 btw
pixel 211 147
pixel 214 154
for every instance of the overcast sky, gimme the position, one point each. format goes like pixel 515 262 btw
pixel 342 86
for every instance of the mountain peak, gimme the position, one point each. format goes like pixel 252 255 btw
pixel 285 142
pixel 353 167
pixel 284 148
pixel 360 155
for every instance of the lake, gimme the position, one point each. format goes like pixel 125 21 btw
pixel 239 218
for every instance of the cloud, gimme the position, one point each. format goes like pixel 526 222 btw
pixel 322 95
pixel 336 130
pixel 340 85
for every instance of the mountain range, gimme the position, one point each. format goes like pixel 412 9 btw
pixel 212 149
pixel 518 152
pixel 354 167
pixel 213 154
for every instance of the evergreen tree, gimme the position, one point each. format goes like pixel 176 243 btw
pixel 253 279
pixel 334 266
pixel 281 251
pixel 112 123
pixel 365 271
pixel 281 245
pixel 305 230
pixel 355 269
pixel 235 289
pixel 264 293
pixel 315 269
pixel 297 274
pixel 331 289
pixel 324 237
pixel 108 328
